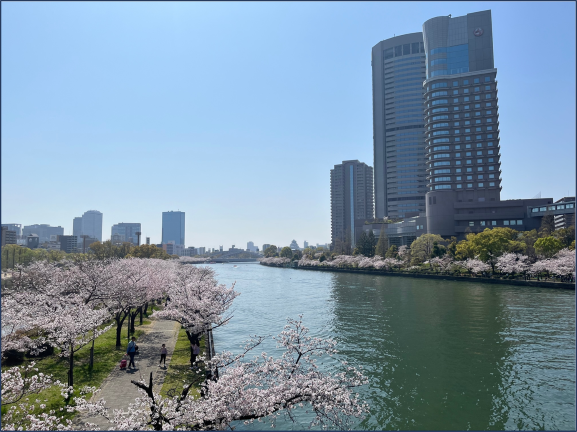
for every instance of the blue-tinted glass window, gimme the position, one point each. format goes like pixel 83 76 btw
pixel 487 79
pixel 438 50
pixel 389 53
pixel 458 59
pixel 438 72
pixel 455 83
pixel 476 81
pixel 422 46
pixel 398 51
pixel 406 49
pixel 465 82
pixel 415 47
pixel 438 61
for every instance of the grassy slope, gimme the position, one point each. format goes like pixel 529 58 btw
pixel 179 372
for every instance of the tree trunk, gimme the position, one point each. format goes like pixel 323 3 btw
pixel 92 355
pixel 193 338
pixel 146 309
pixel 119 321
pixel 132 320
pixel 71 365
pixel 140 310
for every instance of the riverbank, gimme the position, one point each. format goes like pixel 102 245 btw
pixel 530 283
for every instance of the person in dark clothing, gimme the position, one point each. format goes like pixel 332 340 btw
pixel 131 351
pixel 163 352
pixel 195 351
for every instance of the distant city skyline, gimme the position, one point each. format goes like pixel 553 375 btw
pixel 259 139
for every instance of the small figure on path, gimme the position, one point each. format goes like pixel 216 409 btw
pixel 195 351
pixel 131 351
pixel 163 353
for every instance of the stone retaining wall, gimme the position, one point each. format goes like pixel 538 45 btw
pixel 531 283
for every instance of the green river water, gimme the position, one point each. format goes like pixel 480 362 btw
pixel 440 355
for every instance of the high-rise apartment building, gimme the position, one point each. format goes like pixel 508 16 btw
pixel 398 69
pixel 8 236
pixel 173 227
pixel 351 199
pixel 127 231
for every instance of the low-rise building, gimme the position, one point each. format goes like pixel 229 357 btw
pixel 68 243
pixel 565 220
pixel 51 246
pixel 32 241
pixel 400 233
pixel 8 236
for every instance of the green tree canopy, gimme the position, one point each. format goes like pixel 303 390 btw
pixel 147 251
pixel 393 252
pixel 383 243
pixel 548 246
pixel 271 251
pixel 422 247
pixel 490 244
pixel 547 225
pixel 286 252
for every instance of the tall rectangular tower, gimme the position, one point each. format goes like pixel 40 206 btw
pixel 461 117
pixel 399 66
pixel 92 224
pixel 128 230
pixel 173 227
pixel 351 199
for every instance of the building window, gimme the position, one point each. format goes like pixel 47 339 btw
pixel 459 186
pixel 458 178
pixel 455 100
pixel 488 112
pixel 506 223
pixel 479 160
pixel 466 99
pixel 519 222
pixel 479 169
pixel 458 170
pixel 439 93
pixel 441 117
pixel 456 124
pixel 457 131
pixel 489 136
pixel 491 176
pixel 491 159
pixel 487 79
pixel 436 110
pixel 465 82
pixel 457 154
pixel 443 187
pixel 491 184
pixel 455 92
pixel 488 104
pixel 480 177
pixel 469 177
pixel 469 169
pixel 478 97
pixel 482 223
pixel 455 108
pixel 469 161
pixel 489 128
pixel 440 133
pixel 466 90
pixel 457 147
pixel 487 87
pixel 457 139
pixel 490 152
pixel 471 223
pixel 490 143
pixel 477 113
pixel 476 81
pixel 467 130
pixel 491 168
pixel 457 162
pixel 440 101
pixel 468 154
pixel 439 85
pixel 480 184
pixel 466 107
pixel 455 83
pixel 469 185
pixel 437 125
pixel 477 105
pixel 479 145
pixel 468 146
pixel 488 96
pixel 493 223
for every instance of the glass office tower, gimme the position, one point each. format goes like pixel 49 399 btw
pixel 398 69
pixel 173 227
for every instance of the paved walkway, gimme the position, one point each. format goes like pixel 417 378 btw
pixel 117 390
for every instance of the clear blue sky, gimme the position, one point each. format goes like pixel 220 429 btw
pixel 236 112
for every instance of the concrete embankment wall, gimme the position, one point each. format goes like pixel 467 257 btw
pixel 531 283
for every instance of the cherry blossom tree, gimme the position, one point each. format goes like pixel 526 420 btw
pixel 512 263
pixel 249 390
pixel 197 301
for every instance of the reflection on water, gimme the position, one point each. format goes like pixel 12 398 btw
pixel 438 354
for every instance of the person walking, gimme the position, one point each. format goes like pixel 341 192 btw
pixel 131 351
pixel 195 352
pixel 163 352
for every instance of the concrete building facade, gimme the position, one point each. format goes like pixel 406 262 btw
pixel 400 233
pixel 43 231
pixel 92 224
pixel 8 236
pixel 173 227
pixel 565 220
pixel 17 228
pixel 351 199
pixel 68 243
pixel 398 71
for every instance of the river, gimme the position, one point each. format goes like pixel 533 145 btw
pixel 439 355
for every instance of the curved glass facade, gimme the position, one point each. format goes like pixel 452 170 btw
pixel 399 149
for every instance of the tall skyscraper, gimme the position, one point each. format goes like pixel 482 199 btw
pixel 173 227
pixel 77 228
pixel 351 199
pixel 128 230
pixel 399 66
pixel 461 116
pixel 91 224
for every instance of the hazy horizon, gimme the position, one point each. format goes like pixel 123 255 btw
pixel 235 112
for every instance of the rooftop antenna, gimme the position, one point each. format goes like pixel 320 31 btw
pixel 449 15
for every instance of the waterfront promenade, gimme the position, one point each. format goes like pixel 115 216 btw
pixel 117 390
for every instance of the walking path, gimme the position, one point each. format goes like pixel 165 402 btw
pixel 117 390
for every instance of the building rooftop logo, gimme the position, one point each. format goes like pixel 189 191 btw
pixel 478 32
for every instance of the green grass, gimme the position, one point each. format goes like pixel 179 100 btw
pixel 179 372
pixel 106 358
